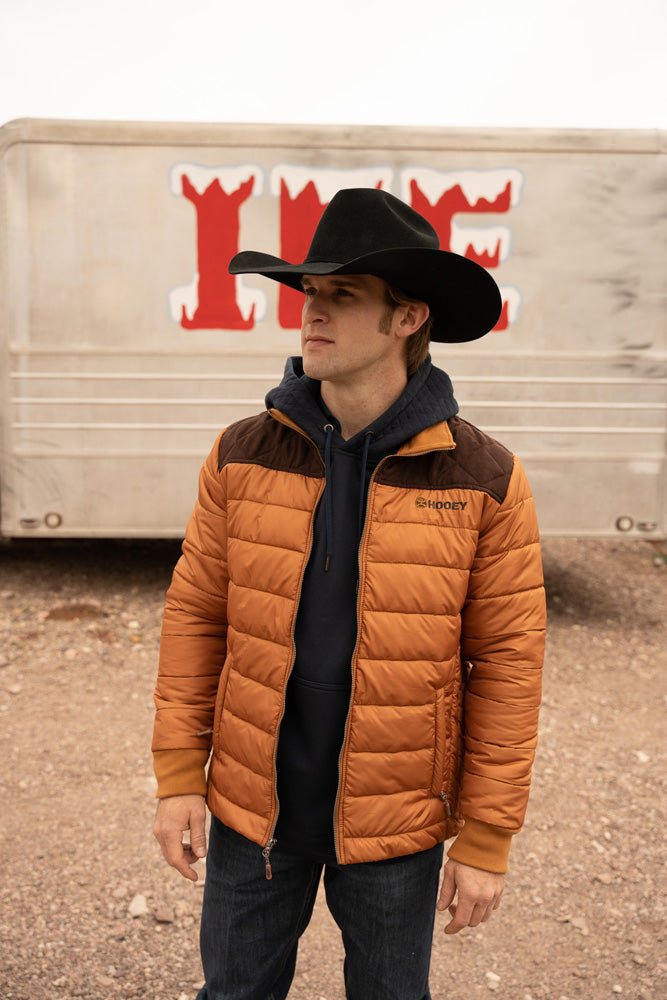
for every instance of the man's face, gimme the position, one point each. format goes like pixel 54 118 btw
pixel 347 328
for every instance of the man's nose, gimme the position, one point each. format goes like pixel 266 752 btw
pixel 314 310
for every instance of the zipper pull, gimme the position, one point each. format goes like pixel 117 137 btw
pixel 448 808
pixel 265 854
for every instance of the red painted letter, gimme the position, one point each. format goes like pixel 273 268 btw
pixel 217 306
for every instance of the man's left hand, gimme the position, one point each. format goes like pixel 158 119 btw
pixel 477 894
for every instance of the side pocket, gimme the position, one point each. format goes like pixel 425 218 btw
pixel 440 739
pixel 219 702
pixel 454 738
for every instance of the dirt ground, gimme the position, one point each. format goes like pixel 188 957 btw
pixel 89 909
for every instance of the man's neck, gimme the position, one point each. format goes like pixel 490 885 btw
pixel 355 410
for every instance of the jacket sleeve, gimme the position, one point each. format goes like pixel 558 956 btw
pixel 503 633
pixel 193 643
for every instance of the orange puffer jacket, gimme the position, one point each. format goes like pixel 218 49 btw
pixel 451 620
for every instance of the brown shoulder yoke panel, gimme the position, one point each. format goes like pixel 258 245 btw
pixel 263 440
pixel 478 462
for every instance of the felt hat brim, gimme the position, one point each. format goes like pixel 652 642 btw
pixel 463 298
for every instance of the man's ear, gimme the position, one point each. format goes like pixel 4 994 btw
pixel 414 316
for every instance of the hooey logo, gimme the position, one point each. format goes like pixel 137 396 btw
pixel 441 504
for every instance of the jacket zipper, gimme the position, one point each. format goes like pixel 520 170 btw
pixel 443 795
pixel 341 755
pixel 271 842
pixel 266 853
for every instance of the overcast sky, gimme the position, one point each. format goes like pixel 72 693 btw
pixel 573 63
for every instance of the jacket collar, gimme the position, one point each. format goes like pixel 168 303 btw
pixel 438 437
pixel 435 438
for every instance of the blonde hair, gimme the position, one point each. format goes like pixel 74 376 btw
pixel 417 345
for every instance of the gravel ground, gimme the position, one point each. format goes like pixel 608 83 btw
pixel 89 909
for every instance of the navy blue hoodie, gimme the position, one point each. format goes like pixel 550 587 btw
pixel 318 692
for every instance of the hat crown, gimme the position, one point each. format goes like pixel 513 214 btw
pixel 359 221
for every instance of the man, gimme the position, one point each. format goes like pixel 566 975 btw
pixel 355 628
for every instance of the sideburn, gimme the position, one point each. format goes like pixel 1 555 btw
pixel 384 326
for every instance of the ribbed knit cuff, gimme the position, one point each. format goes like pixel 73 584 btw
pixel 482 845
pixel 180 772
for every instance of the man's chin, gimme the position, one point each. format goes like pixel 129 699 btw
pixel 312 369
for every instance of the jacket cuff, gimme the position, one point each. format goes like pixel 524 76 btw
pixel 180 772
pixel 482 845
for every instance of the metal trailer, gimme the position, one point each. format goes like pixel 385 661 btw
pixel 126 346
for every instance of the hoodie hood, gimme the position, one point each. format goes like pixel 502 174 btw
pixel 427 399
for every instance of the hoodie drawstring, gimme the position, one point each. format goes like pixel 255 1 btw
pixel 329 428
pixel 362 490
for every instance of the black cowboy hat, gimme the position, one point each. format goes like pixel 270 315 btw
pixel 369 231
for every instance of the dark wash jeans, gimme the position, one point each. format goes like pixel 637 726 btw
pixel 251 926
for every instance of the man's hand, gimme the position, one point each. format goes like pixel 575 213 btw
pixel 478 896
pixel 174 816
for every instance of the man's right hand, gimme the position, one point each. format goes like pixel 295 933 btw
pixel 173 818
